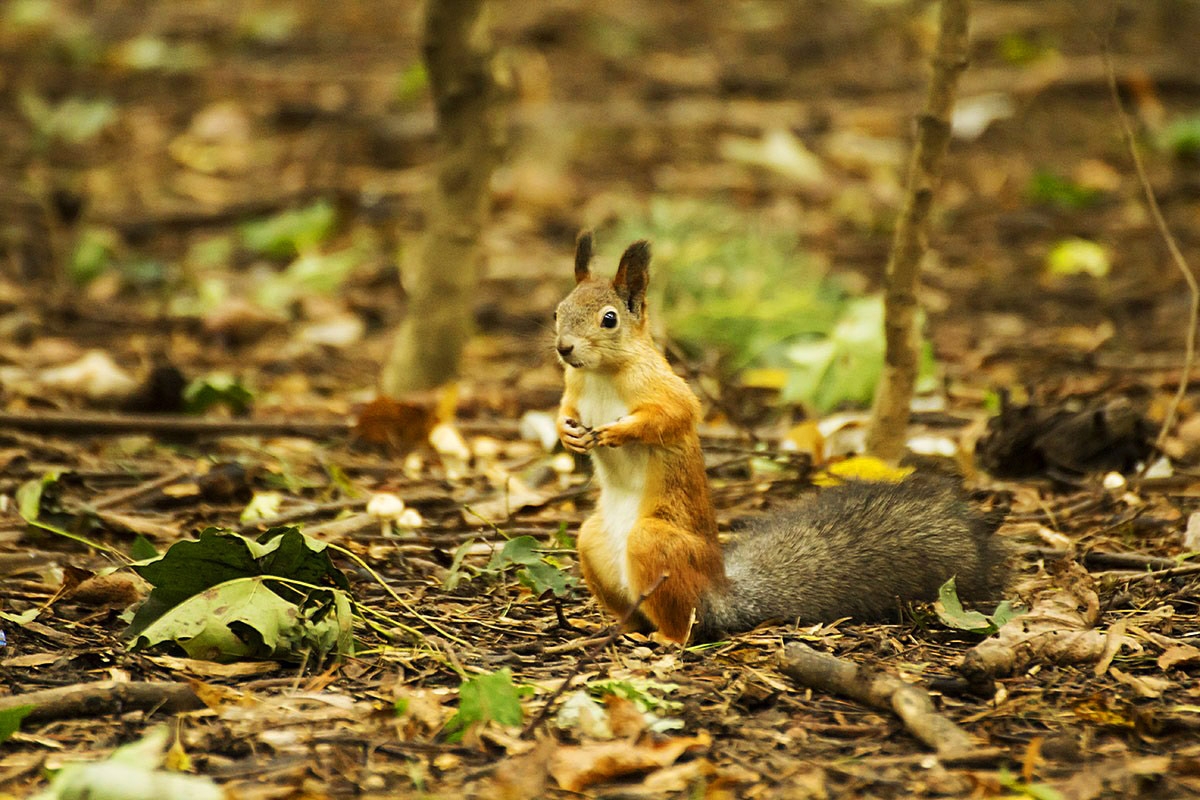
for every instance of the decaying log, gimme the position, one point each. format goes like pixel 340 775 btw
pixel 104 697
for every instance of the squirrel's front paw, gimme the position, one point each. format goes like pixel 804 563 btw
pixel 610 435
pixel 576 437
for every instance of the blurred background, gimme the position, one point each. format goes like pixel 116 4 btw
pixel 232 189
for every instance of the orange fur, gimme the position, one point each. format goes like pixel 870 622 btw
pixel 690 561
pixel 673 529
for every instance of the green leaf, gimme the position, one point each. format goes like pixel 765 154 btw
pixel 535 570
pixel 412 83
pixel 1181 137
pixel 1049 189
pixel 217 388
pixel 93 255
pixel 143 549
pixel 290 232
pixel 542 577
pixel 952 614
pixel 1078 256
pixel 10 720
pixel 642 692
pixel 245 618
pixel 1003 614
pixel 517 550
pixel 454 575
pixel 490 697
pixel 29 495
pixel 1038 791
pixel 189 568
pixel 231 620
pixel 263 505
pixel 73 121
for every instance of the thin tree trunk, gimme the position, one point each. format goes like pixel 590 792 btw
pixel 440 276
pixel 889 421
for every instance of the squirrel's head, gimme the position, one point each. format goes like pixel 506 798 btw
pixel 599 320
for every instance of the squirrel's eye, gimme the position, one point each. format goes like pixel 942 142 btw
pixel 609 320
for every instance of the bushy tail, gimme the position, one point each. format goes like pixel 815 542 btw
pixel 857 550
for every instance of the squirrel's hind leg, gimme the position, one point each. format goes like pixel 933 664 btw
pixel 692 564
pixel 599 567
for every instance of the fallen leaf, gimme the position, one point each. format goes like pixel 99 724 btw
pixel 1145 685
pixel 94 376
pixel 1178 654
pixel 576 768
pixel 401 427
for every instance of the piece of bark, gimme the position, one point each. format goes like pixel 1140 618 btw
pixel 910 703
pixel 104 697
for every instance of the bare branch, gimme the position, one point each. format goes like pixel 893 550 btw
pixel 889 421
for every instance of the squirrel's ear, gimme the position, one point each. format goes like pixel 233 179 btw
pixel 583 256
pixel 632 277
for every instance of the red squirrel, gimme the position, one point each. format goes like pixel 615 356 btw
pixel 854 550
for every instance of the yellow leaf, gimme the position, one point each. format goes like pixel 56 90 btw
pixel 764 378
pixel 861 468
pixel 177 759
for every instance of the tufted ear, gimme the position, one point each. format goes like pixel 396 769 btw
pixel 583 256
pixel 632 277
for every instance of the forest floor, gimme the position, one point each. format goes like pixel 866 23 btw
pixel 152 152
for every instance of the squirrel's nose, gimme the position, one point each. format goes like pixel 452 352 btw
pixel 564 350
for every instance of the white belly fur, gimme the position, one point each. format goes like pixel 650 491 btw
pixel 620 470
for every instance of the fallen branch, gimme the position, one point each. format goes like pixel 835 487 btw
pixel 100 424
pixel 911 703
pixel 587 657
pixel 104 697
pixel 87 422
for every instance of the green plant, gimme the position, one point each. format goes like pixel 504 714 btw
pixel 734 285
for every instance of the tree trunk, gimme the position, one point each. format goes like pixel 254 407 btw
pixel 441 274
pixel 889 421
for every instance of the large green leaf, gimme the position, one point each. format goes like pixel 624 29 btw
pixel 240 618
pixel 227 596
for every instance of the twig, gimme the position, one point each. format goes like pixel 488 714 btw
pixel 1189 358
pixel 104 697
pixel 118 498
pixel 893 398
pixel 591 655
pixel 305 512
pixel 1098 559
pixel 1173 572
pixel 911 703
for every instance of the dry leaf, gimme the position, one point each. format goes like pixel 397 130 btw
pixel 420 712
pixel 115 590
pixel 524 776
pixel 1144 685
pixel 576 768
pixel 1059 628
pixel 213 669
pixel 221 697
pixel 399 426
pixel 1178 654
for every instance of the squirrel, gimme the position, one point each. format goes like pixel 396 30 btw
pixel 854 550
